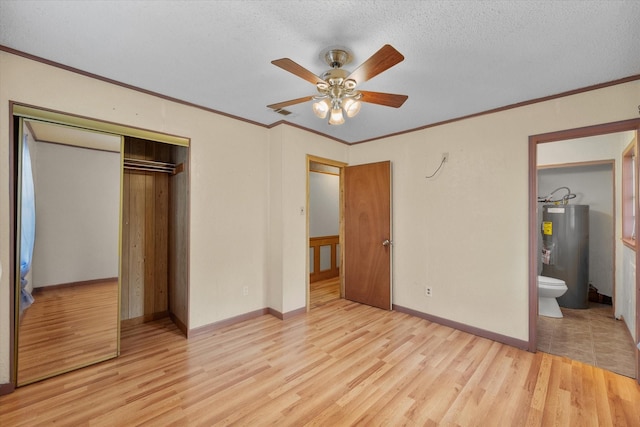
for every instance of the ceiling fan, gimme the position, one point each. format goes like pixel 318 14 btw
pixel 337 88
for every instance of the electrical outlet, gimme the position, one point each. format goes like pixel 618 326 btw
pixel 245 291
pixel 428 291
pixel 445 157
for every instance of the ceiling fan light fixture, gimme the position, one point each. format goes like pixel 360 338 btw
pixel 336 117
pixel 350 84
pixel 337 88
pixel 320 108
pixel 351 107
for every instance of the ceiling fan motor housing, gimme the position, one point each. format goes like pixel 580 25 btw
pixel 335 75
pixel 336 85
pixel 336 57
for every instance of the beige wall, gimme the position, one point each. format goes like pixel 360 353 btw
pixel 228 178
pixel 77 212
pixel 324 206
pixel 248 184
pixel 288 272
pixel 465 231
pixel 237 170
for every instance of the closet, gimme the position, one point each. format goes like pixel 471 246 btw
pixel 100 225
pixel 153 262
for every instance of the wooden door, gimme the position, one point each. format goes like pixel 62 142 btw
pixel 367 234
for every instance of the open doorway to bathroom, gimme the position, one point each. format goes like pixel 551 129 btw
pixel 588 161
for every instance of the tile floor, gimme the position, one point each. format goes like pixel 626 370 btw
pixel 591 336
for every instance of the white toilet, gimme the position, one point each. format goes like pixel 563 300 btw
pixel 549 289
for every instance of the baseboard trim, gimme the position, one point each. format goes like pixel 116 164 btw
pixel 288 315
pixel 6 388
pixel 626 325
pixel 211 327
pixel 143 319
pixel 183 328
pixel 241 318
pixel 72 284
pixel 513 342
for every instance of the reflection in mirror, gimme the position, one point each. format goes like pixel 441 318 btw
pixel 69 249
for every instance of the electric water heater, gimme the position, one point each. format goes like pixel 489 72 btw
pixel 565 250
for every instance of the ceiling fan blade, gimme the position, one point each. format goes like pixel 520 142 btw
pixel 386 99
pixel 297 69
pixel 290 102
pixel 380 61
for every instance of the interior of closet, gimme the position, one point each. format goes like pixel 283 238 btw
pixel 154 233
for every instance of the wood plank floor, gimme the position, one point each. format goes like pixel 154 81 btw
pixel 324 291
pixel 340 364
pixel 67 327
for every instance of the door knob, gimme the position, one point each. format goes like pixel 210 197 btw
pixel 387 242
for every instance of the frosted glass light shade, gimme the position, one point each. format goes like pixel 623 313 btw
pixel 336 117
pixel 320 109
pixel 351 107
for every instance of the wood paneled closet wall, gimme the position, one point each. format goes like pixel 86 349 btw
pixel 154 231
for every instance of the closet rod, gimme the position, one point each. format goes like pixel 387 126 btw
pixel 149 165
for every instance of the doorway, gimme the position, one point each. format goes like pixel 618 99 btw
pixel 324 225
pixel 364 232
pixel 596 333
pixel 587 138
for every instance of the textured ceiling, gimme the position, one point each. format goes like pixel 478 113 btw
pixel 461 58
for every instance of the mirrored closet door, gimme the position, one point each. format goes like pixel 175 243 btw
pixel 68 203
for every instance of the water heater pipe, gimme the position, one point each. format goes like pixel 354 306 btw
pixel 564 200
